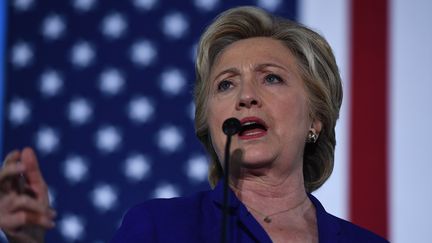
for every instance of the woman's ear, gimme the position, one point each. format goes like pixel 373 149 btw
pixel 316 126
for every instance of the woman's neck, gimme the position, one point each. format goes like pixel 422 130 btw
pixel 278 201
pixel 269 191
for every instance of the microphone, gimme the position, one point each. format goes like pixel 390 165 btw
pixel 230 127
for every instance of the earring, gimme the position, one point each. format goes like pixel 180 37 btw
pixel 312 137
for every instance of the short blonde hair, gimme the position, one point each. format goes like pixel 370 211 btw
pixel 316 64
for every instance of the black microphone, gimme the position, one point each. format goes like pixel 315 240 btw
pixel 230 127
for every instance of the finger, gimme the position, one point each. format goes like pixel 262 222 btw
pixel 10 170
pixel 33 173
pixel 12 203
pixel 9 177
pixel 20 236
pixel 11 157
pixel 28 158
pixel 18 211
pixel 26 218
pixel 26 203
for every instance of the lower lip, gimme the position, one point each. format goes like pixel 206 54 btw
pixel 253 134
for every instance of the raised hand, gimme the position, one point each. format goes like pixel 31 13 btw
pixel 25 212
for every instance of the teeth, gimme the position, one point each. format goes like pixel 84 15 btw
pixel 249 123
pixel 247 127
pixel 251 133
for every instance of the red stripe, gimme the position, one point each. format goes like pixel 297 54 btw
pixel 368 168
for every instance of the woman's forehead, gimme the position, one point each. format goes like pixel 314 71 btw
pixel 253 53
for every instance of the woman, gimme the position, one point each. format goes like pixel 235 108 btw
pixel 281 81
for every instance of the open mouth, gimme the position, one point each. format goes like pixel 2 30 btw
pixel 252 127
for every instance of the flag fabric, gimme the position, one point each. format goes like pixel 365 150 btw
pixel 103 91
pixel 382 163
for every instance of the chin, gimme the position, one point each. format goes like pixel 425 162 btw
pixel 256 160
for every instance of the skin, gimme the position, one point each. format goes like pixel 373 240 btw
pixel 258 77
pixel 24 216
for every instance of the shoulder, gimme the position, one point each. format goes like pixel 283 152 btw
pixel 150 218
pixel 334 229
pixel 171 206
pixel 354 233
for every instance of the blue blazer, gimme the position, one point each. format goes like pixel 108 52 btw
pixel 198 218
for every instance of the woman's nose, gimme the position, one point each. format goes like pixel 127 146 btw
pixel 248 97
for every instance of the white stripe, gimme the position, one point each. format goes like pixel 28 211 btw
pixel 410 121
pixel 331 19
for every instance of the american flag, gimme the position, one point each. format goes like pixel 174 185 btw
pixel 103 91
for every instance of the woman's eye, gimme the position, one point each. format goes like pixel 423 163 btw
pixel 224 85
pixel 273 79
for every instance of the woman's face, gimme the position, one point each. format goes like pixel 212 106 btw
pixel 257 81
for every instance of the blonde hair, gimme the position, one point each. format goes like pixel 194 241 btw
pixel 317 66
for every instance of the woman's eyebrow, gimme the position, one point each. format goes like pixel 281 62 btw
pixel 229 70
pixel 258 67
pixel 264 65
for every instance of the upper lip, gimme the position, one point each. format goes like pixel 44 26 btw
pixel 253 119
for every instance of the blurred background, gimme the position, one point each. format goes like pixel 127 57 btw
pixel 103 91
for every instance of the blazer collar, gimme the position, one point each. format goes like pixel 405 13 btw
pixel 218 196
pixel 328 227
